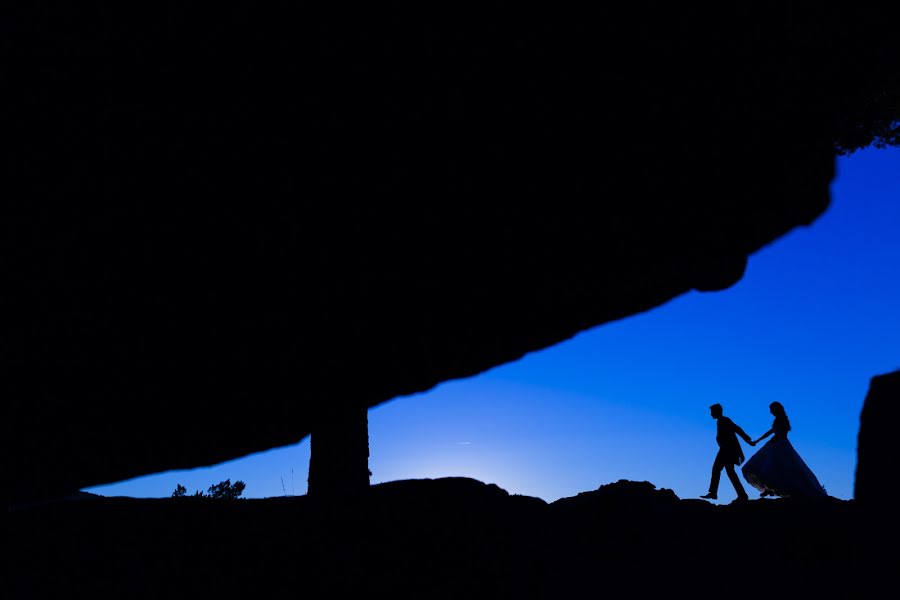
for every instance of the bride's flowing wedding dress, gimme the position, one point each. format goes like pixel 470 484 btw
pixel 777 468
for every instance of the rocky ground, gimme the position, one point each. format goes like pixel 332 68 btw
pixel 451 537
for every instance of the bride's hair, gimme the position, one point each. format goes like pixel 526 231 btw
pixel 780 415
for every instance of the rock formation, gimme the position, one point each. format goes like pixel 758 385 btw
pixel 874 481
pixel 237 220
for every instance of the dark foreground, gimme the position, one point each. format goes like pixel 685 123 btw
pixel 444 538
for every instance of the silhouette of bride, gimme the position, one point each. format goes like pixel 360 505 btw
pixel 776 469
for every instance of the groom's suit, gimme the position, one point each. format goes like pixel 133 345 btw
pixel 730 454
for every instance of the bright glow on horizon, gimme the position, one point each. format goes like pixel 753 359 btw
pixel 813 319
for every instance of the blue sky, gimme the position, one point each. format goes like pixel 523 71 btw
pixel 814 318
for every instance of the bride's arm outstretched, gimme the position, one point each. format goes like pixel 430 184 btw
pixel 764 436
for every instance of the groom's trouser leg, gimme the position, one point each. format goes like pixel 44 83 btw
pixel 738 487
pixel 718 465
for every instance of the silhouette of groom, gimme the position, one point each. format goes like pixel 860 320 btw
pixel 730 453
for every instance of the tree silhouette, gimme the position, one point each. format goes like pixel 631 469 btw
pixel 224 490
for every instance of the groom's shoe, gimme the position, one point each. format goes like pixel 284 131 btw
pixel 709 496
pixel 743 498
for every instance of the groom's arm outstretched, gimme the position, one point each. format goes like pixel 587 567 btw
pixel 743 434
